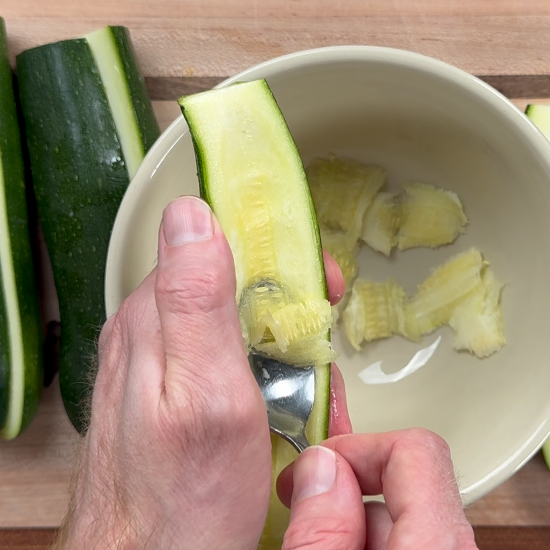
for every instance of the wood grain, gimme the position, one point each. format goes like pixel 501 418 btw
pixel 35 469
pixel 269 8
pixel 516 86
pixel 522 500
pixel 214 46
pixel 512 538
pixel 35 472
pixel 185 46
pixel 487 538
pixel 26 539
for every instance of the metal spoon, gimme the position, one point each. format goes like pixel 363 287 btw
pixel 288 393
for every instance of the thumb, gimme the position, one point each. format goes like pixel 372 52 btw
pixel 327 509
pixel 195 296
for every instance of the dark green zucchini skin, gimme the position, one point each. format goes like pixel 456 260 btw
pixel 79 177
pixel 22 255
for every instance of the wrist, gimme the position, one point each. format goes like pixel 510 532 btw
pixel 96 517
pixel 89 525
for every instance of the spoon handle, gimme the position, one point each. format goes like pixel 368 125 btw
pixel 298 441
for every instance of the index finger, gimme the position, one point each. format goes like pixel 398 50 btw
pixel 414 471
pixel 335 280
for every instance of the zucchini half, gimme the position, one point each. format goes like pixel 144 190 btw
pixel 21 367
pixel 89 123
pixel 251 174
pixel 539 115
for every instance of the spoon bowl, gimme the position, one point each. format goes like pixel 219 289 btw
pixel 288 393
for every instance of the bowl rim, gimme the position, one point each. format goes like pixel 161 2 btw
pixel 364 53
pixel 334 54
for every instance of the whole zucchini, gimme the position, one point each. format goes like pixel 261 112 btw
pixel 21 367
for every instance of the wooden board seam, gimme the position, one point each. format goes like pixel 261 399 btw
pixel 163 88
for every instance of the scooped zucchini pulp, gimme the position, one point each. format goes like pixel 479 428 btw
pixel 251 174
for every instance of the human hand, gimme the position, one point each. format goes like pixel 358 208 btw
pixel 178 449
pixel 411 468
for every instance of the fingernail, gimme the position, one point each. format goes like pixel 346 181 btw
pixel 187 220
pixel 314 473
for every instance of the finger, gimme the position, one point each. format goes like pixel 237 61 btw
pixel 339 420
pixel 379 525
pixel 211 416
pixel 327 509
pixel 195 297
pixel 130 353
pixel 339 424
pixel 335 280
pixel 414 472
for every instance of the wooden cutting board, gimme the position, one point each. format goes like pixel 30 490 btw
pixel 188 45
pixel 35 469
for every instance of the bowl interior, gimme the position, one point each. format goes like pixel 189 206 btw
pixel 422 121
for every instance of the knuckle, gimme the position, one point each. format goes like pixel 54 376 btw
pixel 430 440
pixel 105 335
pixel 111 361
pixel 201 412
pixel 228 410
pixel 131 314
pixel 110 344
pixel 119 327
pixel 135 317
pixel 185 415
pixel 427 451
pixel 199 290
pixel 328 533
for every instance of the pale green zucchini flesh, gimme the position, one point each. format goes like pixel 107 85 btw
pixel 539 115
pixel 109 63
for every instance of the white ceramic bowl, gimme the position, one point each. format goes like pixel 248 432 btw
pixel 424 121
